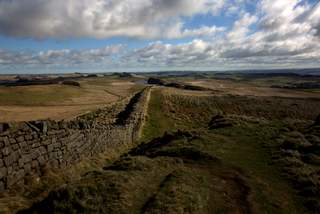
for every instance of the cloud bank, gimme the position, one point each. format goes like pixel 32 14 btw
pixel 278 33
pixel 103 18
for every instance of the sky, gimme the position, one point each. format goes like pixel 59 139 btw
pixel 57 36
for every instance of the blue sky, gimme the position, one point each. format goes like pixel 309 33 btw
pixel 40 36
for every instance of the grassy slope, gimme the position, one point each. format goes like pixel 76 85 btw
pixel 197 170
pixel 157 123
pixel 62 101
pixel 244 146
pixel 55 94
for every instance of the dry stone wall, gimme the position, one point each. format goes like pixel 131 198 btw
pixel 26 147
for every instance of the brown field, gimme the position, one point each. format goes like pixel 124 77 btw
pixel 66 102
pixel 23 103
pixel 250 89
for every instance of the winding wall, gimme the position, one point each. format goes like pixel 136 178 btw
pixel 27 146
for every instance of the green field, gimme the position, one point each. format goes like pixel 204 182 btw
pixel 246 146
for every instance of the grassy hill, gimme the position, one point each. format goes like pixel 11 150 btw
pixel 203 153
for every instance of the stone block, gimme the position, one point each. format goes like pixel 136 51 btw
pixel 34 135
pixel 20 174
pixel 6 151
pixel 6 141
pixel 54 125
pixel 19 133
pixel 34 164
pixel 20 139
pixel 35 145
pixel 27 168
pixel 11 179
pixel 15 166
pixel 50 147
pixel 15 147
pixel 12 141
pixel 23 145
pixel 9 160
pixel 42 150
pixel 16 156
pixel 35 154
pixel 41 161
pixel 26 158
pixel 53 155
pixel 2 186
pixel 64 140
pixel 30 142
pixel 63 125
pixel 28 137
pixel 57 145
pixel 43 137
pixel 21 163
pixel 10 170
pixel 53 140
pixel 3 172
pixel 46 142
pixel 59 154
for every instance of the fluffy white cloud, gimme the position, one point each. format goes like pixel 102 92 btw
pixel 101 18
pixel 60 57
pixel 284 31
pixel 158 53
pixel 241 28
pixel 280 33
pixel 202 32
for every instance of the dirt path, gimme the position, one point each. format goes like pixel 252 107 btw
pixel 145 111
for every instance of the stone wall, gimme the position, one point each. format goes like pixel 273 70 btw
pixel 26 147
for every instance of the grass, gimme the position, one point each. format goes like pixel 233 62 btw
pixel 157 123
pixel 171 181
pixel 248 147
pixel 37 189
pixel 120 87
pixel 245 146
pixel 57 102
pixel 185 167
pixel 37 95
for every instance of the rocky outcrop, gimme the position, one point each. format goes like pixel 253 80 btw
pixel 26 147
